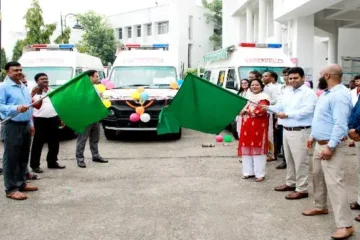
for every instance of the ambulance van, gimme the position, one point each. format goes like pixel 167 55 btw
pixel 151 67
pixel 226 67
pixel 61 62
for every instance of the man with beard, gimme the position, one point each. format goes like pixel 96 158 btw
pixel 46 123
pixel 329 130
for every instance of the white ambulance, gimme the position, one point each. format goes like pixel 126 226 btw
pixel 61 62
pixel 152 67
pixel 226 67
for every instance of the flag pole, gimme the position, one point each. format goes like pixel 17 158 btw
pixel 31 105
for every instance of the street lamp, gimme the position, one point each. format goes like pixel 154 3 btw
pixel 63 24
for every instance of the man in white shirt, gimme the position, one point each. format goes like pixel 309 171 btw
pixel 297 115
pixel 46 122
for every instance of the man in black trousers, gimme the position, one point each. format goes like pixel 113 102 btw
pixel 46 122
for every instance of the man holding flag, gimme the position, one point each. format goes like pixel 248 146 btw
pixel 14 102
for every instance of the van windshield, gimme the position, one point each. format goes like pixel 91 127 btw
pixel 244 71
pixel 57 75
pixel 148 76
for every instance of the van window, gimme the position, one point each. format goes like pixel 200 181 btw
pixel 78 71
pixel 101 75
pixel 221 78
pixel 207 75
pixel 57 75
pixel 231 79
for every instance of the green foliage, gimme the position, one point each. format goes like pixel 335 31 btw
pixel 36 30
pixel 215 17
pixel 65 38
pixel 3 63
pixel 194 71
pixel 98 38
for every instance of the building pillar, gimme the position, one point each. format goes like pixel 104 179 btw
pixel 154 30
pixel 262 21
pixel 333 49
pixel 302 44
pixel 277 32
pixel 242 28
pixel 256 27
pixel 249 25
pixel 134 33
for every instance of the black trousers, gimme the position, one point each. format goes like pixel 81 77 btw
pixel 46 131
pixel 17 141
pixel 278 134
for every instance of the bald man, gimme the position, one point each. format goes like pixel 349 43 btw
pixel 329 130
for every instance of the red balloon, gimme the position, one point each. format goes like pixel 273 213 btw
pixel 134 117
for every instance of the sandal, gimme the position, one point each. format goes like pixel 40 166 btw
pixel 30 176
pixel 260 179
pixel 247 177
pixel 16 196
pixel 355 206
pixel 357 218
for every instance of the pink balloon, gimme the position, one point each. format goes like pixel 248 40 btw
pixel 307 84
pixel 319 92
pixel 219 138
pixel 134 117
pixel 105 81
pixel 109 85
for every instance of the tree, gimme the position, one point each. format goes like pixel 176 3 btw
pixel 65 38
pixel 98 38
pixel 3 63
pixel 215 17
pixel 36 30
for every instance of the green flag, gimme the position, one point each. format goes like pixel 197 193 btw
pixel 202 106
pixel 78 104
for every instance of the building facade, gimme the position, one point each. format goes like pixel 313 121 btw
pixel 181 24
pixel 313 32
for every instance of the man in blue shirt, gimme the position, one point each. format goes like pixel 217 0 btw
pixel 15 100
pixel 296 113
pixel 329 130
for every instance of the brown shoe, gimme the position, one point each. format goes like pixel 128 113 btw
pixel 29 188
pixel 314 212
pixel 16 196
pixel 342 233
pixel 297 195
pixel 284 188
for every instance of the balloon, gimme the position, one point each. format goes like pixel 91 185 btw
pixel 140 89
pixel 109 85
pixel 140 110
pixel 134 117
pixel 145 117
pixel 135 95
pixel 319 92
pixel 107 103
pixel 144 96
pixel 174 85
pixel 100 87
pixel 219 138
pixel 104 81
pixel 307 84
pixel 228 138
pixel 180 82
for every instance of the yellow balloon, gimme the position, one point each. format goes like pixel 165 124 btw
pixel 140 89
pixel 174 85
pixel 107 103
pixel 101 88
pixel 135 95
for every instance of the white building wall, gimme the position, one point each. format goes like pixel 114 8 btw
pixel 177 14
pixel 348 43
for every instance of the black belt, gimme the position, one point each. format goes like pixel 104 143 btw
pixel 296 128
pixel 19 122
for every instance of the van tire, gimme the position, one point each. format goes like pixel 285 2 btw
pixel 174 136
pixel 110 134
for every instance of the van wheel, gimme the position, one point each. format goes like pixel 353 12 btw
pixel 174 136
pixel 110 134
pixel 234 130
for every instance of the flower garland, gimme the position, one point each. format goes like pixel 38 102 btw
pixel 134 107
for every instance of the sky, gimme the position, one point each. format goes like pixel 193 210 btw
pixel 13 11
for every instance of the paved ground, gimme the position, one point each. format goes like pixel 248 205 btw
pixel 162 190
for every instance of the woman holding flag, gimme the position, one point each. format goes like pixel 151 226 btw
pixel 253 144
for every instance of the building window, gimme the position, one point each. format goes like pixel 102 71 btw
pixel 190 27
pixel 129 32
pixel 149 29
pixel 138 31
pixel 163 27
pixel 120 33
